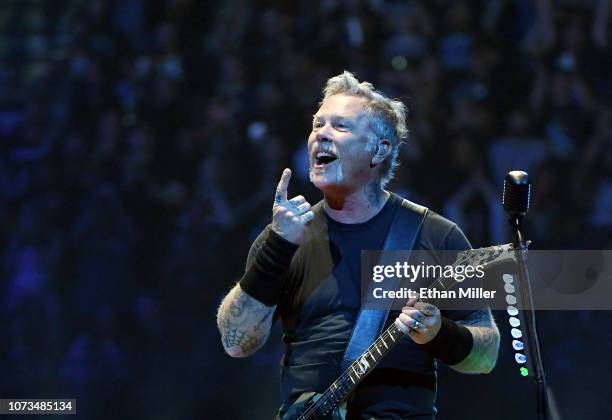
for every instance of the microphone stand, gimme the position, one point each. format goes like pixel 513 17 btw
pixel 530 328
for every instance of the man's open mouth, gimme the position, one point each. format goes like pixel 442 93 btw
pixel 324 158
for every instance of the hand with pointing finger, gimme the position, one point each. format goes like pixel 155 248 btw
pixel 290 217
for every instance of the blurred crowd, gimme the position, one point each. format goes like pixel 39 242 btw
pixel 142 142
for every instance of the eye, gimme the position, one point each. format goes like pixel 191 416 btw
pixel 341 126
pixel 317 124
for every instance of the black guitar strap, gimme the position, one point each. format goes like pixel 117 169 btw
pixel 402 235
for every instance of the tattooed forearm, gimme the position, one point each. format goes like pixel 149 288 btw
pixel 244 323
pixel 483 356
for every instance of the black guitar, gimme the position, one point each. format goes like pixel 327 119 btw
pixel 331 403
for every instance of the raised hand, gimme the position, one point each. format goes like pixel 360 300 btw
pixel 290 217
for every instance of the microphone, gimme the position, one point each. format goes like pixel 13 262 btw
pixel 517 193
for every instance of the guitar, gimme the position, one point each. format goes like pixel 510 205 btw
pixel 330 405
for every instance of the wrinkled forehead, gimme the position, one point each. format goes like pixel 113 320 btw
pixel 344 106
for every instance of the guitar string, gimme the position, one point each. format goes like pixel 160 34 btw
pixel 316 405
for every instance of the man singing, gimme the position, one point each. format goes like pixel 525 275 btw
pixel 304 269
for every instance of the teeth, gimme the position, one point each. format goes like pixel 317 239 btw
pixel 324 154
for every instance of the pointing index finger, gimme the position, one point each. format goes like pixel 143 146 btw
pixel 281 189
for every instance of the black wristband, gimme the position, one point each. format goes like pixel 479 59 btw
pixel 264 278
pixel 452 344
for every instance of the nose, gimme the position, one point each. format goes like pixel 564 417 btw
pixel 322 133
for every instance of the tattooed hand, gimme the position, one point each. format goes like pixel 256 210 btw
pixel 290 217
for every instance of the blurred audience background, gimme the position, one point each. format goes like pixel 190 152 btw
pixel 142 142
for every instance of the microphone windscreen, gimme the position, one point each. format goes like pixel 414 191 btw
pixel 517 191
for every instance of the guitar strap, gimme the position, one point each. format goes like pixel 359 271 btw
pixel 402 235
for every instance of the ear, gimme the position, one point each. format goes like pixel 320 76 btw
pixel 381 152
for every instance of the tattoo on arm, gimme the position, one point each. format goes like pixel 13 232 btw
pixel 483 356
pixel 244 323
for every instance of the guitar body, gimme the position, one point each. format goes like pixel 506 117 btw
pixel 302 404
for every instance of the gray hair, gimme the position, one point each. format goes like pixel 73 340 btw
pixel 387 117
